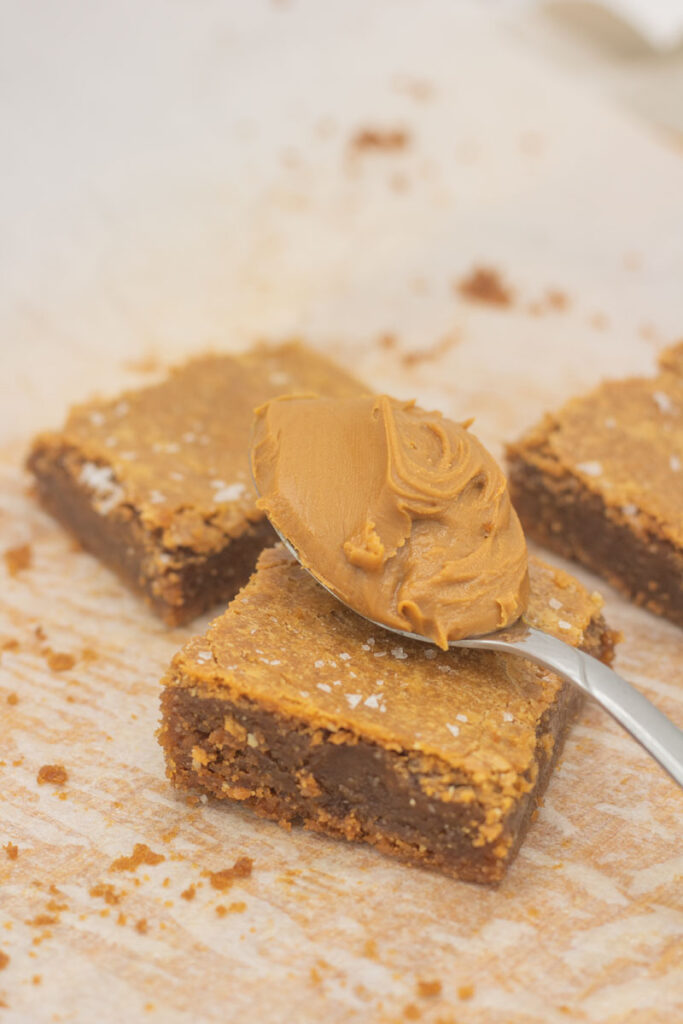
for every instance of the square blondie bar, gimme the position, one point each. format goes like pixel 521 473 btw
pixel 305 712
pixel 156 482
pixel 601 481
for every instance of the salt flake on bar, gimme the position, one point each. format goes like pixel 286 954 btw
pixel 230 493
pixel 590 468
pixel 455 729
pixel 324 687
pixel 555 604
pixel 353 699
pixel 664 403
pixel 399 653
pixel 675 463
pixel 563 624
pixel 372 701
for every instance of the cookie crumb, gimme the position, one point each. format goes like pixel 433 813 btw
pixel 411 1012
pixel 141 855
pixel 141 926
pixel 485 285
pixel 189 893
pixel 12 698
pixel 18 559
pixel 465 991
pixel 59 661
pixel 4 960
pixel 107 893
pixel 224 879
pixel 380 140
pixel 11 850
pixel 54 773
pixel 426 989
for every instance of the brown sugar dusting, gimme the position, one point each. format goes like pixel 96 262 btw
pixel 11 850
pixel 18 559
pixel 4 960
pixel 224 879
pixel 54 773
pixel 189 893
pixel 59 661
pixel 485 285
pixel 427 989
pixel 379 140
pixel 107 893
pixel 141 855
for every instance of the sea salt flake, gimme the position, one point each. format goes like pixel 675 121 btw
pixel 610 422
pixel 324 687
pixel 507 717
pixel 189 437
pixel 278 378
pixel 664 403
pixel 121 408
pixel 100 479
pixel 380 654
pixel 344 656
pixel 455 729
pixel 590 468
pixel 399 653
pixel 675 463
pixel 352 674
pixel 563 624
pixel 353 699
pixel 372 701
pixel 337 682
pixel 230 493
pixel 429 654
pixel 157 498
pixel 629 510
pixel 176 476
pixel 204 655
pixel 319 663
pixel 96 418
pixel 461 718
pixel 167 447
pixel 555 604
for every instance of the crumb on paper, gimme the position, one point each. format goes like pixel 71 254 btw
pixel 430 988
pixel 141 855
pixel 54 773
pixel 141 926
pixel 242 868
pixel 485 285
pixel 11 850
pixel 411 1012
pixel 380 140
pixel 4 960
pixel 107 893
pixel 12 698
pixel 465 991
pixel 18 559
pixel 189 893
pixel 11 644
pixel 59 661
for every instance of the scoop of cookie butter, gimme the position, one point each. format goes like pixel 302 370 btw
pixel 401 513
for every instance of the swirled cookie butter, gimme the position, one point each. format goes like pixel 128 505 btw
pixel 401 513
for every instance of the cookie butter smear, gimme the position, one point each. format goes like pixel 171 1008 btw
pixel 401 513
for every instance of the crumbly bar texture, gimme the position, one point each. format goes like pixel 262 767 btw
pixel 601 482
pixel 305 712
pixel 156 482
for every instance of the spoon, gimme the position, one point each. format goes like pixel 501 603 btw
pixel 652 729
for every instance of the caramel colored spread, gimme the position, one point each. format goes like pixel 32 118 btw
pixel 401 513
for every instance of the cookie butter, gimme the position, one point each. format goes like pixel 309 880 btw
pixel 402 513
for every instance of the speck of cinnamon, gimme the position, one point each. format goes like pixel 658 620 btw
pixel 18 559
pixel 411 1012
pixel 427 989
pixel 106 892
pixel 54 773
pixel 141 855
pixel 11 850
pixel 224 879
pixel 4 960
pixel 379 140
pixel 465 991
pixel 189 893
pixel 485 285
pixel 59 661
pixel 141 926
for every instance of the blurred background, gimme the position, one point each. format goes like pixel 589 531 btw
pixel 180 175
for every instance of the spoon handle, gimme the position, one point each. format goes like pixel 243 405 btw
pixel 652 729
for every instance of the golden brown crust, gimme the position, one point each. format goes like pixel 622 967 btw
pixel 156 482
pixel 290 697
pixel 601 481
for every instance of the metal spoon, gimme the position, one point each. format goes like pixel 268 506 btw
pixel 652 729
